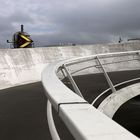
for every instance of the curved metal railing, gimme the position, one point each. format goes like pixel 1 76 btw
pixel 135 80
pixel 69 105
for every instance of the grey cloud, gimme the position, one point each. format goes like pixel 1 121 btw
pixel 20 17
pixel 75 21
pixel 115 19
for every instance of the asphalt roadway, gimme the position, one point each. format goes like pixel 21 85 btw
pixel 23 108
pixel 23 114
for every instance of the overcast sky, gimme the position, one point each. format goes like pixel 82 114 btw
pixel 70 21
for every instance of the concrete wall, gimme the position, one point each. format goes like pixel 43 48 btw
pixel 22 66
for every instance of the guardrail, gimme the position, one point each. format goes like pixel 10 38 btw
pixel 82 119
pixel 128 82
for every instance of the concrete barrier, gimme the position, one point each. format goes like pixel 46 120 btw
pixel 83 120
pixel 113 102
pixel 22 66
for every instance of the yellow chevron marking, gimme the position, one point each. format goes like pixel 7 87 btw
pixel 25 44
pixel 26 38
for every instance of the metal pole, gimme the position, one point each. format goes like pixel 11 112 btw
pixel 63 73
pixel 76 89
pixel 65 77
pixel 51 124
pixel 22 28
pixel 106 76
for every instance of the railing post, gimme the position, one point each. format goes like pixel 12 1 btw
pixel 65 77
pixel 76 89
pixel 63 72
pixel 106 76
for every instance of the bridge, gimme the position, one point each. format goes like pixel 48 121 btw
pixel 61 80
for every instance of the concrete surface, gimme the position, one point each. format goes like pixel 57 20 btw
pixel 113 102
pixel 87 123
pixel 22 66
pixel 23 114
pixel 92 85
pixel 82 120
pixel 23 108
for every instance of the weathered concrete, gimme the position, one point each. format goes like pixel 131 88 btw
pixel 22 66
pixel 113 102
pixel 83 120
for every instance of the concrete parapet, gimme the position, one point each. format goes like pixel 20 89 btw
pixel 22 66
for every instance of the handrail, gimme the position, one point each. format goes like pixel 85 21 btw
pixel 106 76
pixel 76 89
pixel 81 69
pixel 104 92
pixel 113 102
pixel 82 119
pixel 106 55
pixel 52 128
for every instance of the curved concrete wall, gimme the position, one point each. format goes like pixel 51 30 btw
pixel 114 101
pixel 21 66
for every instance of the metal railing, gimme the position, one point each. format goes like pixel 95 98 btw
pixel 67 104
pixel 128 82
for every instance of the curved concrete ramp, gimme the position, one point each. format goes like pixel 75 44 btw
pixel 113 102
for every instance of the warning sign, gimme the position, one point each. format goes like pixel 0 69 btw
pixel 23 41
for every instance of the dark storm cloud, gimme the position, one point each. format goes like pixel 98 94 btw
pixel 116 18
pixel 96 21
pixel 75 21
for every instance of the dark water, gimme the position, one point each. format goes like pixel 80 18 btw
pixel 23 108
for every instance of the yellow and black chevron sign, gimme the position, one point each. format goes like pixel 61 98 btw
pixel 23 41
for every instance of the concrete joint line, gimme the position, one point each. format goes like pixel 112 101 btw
pixel 70 103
